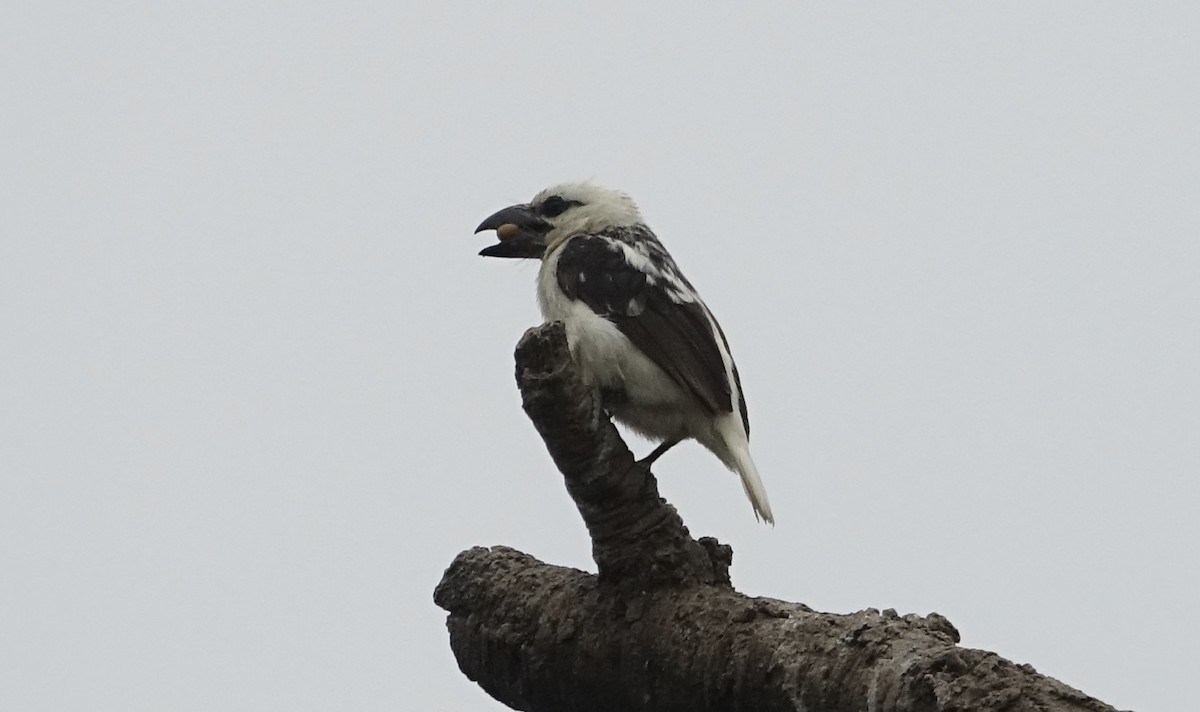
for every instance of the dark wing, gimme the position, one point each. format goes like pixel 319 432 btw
pixel 677 336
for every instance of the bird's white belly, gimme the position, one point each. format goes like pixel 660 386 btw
pixel 610 360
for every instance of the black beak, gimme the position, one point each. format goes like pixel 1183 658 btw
pixel 521 232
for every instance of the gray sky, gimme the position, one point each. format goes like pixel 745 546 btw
pixel 257 387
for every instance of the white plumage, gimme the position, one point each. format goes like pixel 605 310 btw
pixel 636 327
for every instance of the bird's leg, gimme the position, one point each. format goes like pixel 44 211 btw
pixel 613 398
pixel 658 451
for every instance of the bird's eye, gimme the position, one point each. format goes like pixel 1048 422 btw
pixel 554 206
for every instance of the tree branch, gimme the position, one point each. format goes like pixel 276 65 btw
pixel 638 540
pixel 661 628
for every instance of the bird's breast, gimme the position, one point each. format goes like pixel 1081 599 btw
pixel 555 305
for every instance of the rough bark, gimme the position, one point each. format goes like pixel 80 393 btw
pixel 661 628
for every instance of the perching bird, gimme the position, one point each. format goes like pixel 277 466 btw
pixel 636 327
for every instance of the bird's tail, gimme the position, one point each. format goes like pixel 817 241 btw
pixel 753 484
pixel 738 459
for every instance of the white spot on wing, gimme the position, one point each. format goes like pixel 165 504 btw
pixel 635 258
pixel 680 296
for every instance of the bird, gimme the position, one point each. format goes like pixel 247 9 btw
pixel 637 329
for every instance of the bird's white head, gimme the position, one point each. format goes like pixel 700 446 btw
pixel 556 213
pixel 589 208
